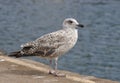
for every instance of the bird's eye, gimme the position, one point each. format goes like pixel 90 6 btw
pixel 70 22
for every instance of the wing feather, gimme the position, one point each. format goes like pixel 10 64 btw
pixel 46 44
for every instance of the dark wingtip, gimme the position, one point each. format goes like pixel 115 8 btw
pixel 15 54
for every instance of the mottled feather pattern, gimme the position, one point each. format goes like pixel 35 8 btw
pixel 52 45
pixel 48 44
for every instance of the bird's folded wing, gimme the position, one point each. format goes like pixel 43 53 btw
pixel 47 44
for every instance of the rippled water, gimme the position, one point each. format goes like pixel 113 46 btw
pixel 97 51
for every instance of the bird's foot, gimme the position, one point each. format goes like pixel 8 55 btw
pixel 56 73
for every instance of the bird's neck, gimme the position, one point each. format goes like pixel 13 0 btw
pixel 71 29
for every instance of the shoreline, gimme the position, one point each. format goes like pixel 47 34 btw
pixel 28 71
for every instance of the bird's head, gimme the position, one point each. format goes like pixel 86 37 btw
pixel 71 23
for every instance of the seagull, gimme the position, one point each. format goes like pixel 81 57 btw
pixel 52 45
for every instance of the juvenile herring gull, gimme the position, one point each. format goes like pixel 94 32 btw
pixel 52 45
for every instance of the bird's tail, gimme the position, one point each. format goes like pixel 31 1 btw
pixel 16 54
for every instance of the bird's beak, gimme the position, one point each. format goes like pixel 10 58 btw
pixel 80 25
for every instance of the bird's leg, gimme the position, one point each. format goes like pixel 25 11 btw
pixel 50 63
pixel 55 72
pixel 56 61
pixel 55 66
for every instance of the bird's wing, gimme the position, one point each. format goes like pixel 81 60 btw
pixel 53 39
pixel 46 44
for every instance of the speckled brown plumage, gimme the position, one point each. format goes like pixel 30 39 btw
pixel 52 45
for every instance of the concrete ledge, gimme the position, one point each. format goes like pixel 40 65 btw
pixel 40 71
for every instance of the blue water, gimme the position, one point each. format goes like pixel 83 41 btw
pixel 97 51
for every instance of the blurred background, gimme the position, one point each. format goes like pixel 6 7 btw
pixel 97 51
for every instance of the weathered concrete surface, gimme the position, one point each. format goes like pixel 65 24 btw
pixel 26 71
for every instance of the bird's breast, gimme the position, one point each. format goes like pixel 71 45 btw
pixel 71 40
